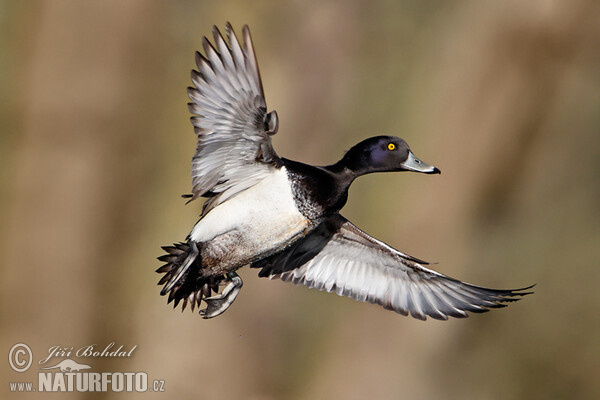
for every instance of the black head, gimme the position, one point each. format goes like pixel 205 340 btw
pixel 382 154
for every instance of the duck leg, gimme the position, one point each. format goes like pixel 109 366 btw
pixel 217 304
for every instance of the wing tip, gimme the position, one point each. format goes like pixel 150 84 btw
pixel 246 30
pixel 199 57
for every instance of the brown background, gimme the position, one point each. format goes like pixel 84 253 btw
pixel 503 97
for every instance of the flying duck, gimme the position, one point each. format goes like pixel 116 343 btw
pixel 282 216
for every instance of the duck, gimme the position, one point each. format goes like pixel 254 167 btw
pixel 282 217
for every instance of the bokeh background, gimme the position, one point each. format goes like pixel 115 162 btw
pixel 502 96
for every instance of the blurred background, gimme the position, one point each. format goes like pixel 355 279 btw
pixel 503 97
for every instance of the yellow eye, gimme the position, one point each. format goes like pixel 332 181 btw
pixel 391 146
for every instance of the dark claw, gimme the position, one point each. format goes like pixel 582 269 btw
pixel 217 304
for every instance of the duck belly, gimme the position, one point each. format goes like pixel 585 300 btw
pixel 254 224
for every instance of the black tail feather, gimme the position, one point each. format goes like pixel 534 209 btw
pixel 192 287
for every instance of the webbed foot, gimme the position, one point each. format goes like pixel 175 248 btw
pixel 217 304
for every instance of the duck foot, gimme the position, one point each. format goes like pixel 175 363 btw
pixel 217 304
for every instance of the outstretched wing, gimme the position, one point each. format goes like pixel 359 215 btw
pixel 234 150
pixel 338 257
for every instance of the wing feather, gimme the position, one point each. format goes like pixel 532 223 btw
pixel 234 150
pixel 338 257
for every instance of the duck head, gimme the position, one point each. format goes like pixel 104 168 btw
pixel 384 154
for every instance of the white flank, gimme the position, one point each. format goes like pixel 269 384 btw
pixel 265 215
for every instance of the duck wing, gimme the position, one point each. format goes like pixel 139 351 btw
pixel 339 257
pixel 234 150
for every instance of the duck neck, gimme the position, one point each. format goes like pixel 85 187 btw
pixel 344 175
pixel 354 163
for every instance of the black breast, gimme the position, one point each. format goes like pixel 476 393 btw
pixel 317 191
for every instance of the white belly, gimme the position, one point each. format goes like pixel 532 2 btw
pixel 261 218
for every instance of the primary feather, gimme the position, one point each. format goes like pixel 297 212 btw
pixel 234 150
pixel 338 257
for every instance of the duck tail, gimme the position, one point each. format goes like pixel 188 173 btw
pixel 182 277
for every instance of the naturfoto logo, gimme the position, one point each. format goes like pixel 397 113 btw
pixel 68 375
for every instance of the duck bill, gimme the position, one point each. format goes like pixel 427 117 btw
pixel 412 163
